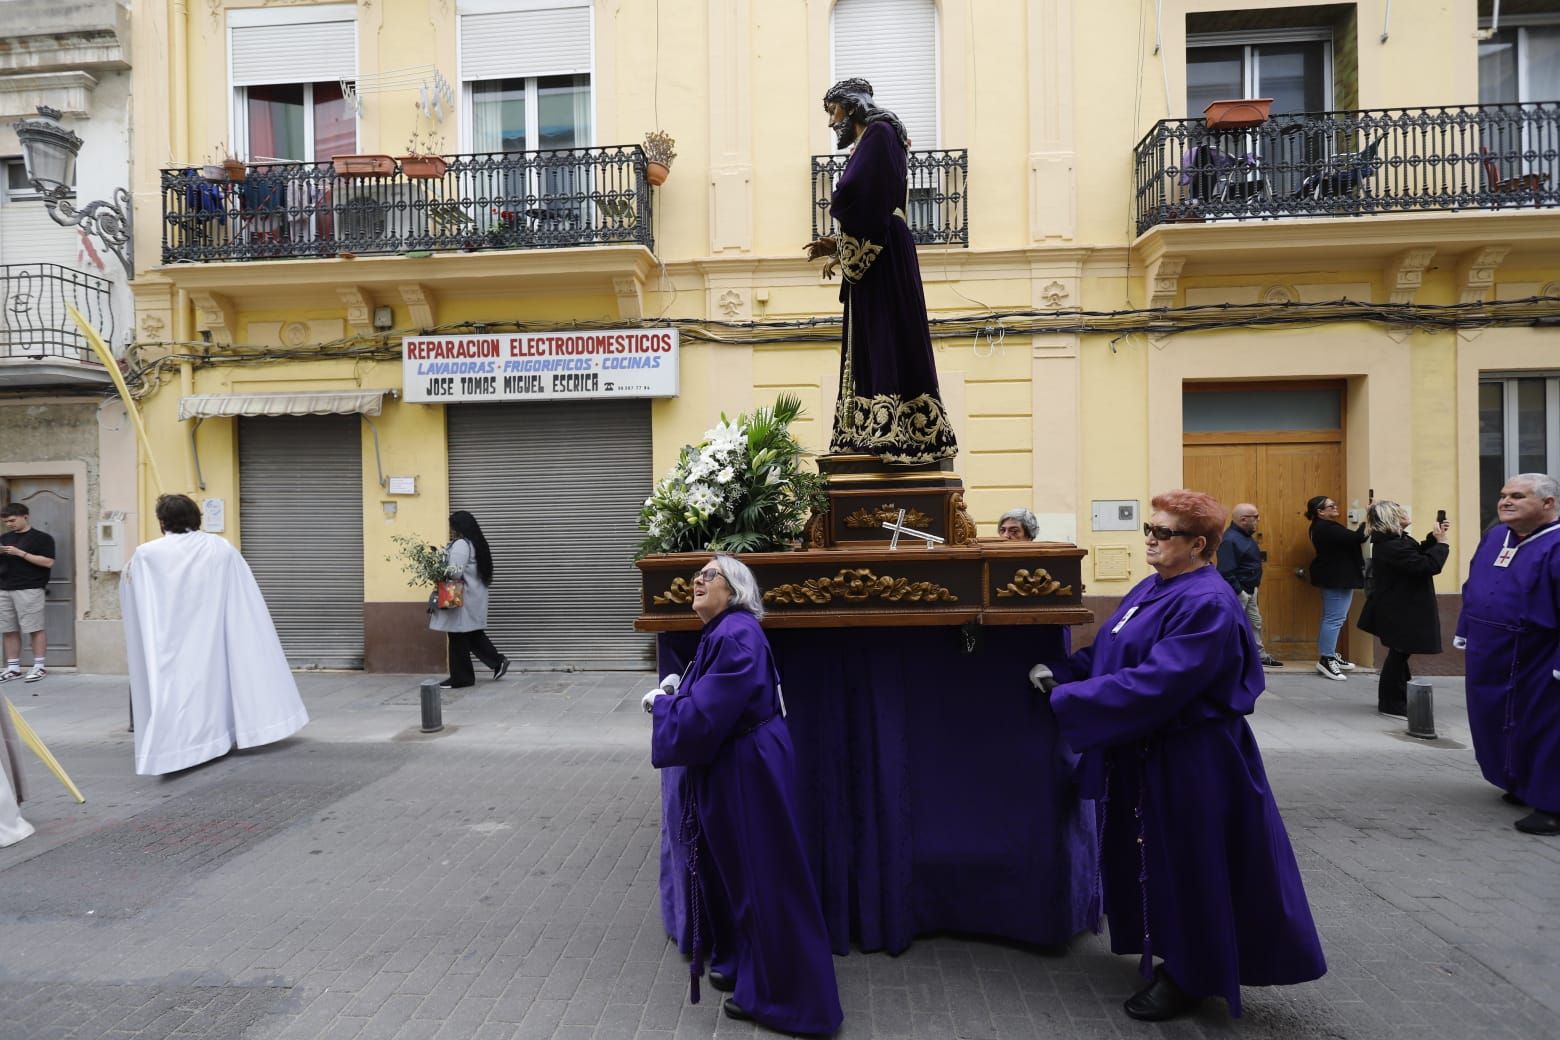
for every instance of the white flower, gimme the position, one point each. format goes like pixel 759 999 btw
pixel 703 498
pixel 725 437
pixel 725 475
pixel 775 476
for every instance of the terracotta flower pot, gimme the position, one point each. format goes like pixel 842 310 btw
pixel 233 169
pixel 655 173
pixel 1237 113
pixel 424 167
pixel 363 165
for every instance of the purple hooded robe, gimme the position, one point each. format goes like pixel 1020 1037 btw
pixel 1195 863
pixel 889 404
pixel 1511 624
pixel 763 921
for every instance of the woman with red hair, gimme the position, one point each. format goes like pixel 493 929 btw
pixel 1195 864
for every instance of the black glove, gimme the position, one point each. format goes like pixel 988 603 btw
pixel 1042 678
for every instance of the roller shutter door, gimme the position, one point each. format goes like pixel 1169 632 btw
pixel 301 527
pixel 557 488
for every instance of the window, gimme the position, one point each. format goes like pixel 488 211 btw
pixel 288 68
pixel 526 115
pixel 891 44
pixel 296 122
pixel 1520 63
pixel 17 187
pixel 1292 70
pixel 1519 432
pixel 527 77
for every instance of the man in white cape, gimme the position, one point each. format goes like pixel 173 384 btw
pixel 12 790
pixel 207 671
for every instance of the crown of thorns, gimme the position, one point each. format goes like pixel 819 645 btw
pixel 847 90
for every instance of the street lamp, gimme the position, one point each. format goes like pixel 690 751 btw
pixel 49 151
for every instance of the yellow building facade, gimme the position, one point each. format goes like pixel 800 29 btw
pixel 1126 299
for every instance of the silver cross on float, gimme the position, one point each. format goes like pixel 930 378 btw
pixel 899 528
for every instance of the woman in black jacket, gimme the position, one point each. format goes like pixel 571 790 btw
pixel 1400 608
pixel 1339 569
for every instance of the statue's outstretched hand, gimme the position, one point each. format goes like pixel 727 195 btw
pixel 825 246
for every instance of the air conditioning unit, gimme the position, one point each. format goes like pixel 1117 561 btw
pixel 374 212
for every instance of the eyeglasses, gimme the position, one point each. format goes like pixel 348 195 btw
pixel 1164 534
pixel 709 574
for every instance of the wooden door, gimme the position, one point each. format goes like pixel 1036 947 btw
pixel 1276 471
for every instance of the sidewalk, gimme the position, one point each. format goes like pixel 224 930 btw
pixel 499 880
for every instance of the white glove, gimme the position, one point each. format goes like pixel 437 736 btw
pixel 648 701
pixel 1460 642
pixel 671 683
pixel 1557 673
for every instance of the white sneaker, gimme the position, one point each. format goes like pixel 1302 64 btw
pixel 38 672
pixel 1347 666
pixel 9 674
pixel 1328 668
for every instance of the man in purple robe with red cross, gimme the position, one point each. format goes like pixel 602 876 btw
pixel 1510 629
pixel 889 405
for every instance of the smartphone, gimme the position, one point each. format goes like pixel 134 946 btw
pixel 1440 516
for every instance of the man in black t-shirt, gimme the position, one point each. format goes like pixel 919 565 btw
pixel 26 556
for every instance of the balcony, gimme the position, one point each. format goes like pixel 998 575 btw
pixel 479 203
pixel 39 343
pixel 1347 164
pixel 937 209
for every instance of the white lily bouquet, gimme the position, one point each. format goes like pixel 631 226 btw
pixel 741 489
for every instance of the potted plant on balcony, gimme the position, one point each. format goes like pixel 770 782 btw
pixel 1237 113
pixel 658 156
pixel 422 160
pixel 228 168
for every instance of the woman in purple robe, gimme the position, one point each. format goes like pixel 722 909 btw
pixel 1195 863
pixel 755 909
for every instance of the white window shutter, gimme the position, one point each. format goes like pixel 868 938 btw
pixel 550 41
pixel 311 52
pixel 893 45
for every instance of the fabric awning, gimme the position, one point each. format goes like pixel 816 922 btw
pixel 332 402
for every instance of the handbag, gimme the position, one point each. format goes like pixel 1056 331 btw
pixel 449 594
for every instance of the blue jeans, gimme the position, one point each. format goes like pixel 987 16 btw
pixel 1335 611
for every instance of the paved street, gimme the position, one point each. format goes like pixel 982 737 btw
pixel 498 881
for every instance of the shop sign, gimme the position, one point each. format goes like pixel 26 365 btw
pixel 535 366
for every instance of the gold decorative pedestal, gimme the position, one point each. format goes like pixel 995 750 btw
pixel 864 492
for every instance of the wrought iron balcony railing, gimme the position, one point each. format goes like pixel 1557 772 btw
pixel 937 209
pixel 33 321
pixel 508 200
pixel 1351 163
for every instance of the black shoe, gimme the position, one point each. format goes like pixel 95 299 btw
pixel 1269 661
pixel 503 667
pixel 1393 711
pixel 735 1010
pixel 1539 822
pixel 1159 1001
pixel 1510 798
pixel 448 684
pixel 721 981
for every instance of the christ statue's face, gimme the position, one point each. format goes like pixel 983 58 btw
pixel 843 126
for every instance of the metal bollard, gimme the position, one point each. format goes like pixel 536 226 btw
pixel 432 708
pixel 1421 710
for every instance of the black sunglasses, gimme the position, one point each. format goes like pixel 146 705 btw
pixel 1164 534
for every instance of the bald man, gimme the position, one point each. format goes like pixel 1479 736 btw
pixel 1240 561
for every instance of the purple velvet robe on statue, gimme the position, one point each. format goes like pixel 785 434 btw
pixel 889 405
pixel 1196 866
pixel 764 923
pixel 1511 622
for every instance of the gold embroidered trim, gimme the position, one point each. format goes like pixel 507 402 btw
pixel 856 585
pixel 1038 583
pixel 855 255
pixel 874 518
pixel 678 593
pixel 963 532
pixel 893 429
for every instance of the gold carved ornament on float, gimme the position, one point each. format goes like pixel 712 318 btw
pixel 678 593
pixel 1036 583
pixel 856 585
pixel 874 518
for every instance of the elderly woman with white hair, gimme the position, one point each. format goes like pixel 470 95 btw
pixel 1018 525
pixel 753 905
pixel 1400 607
